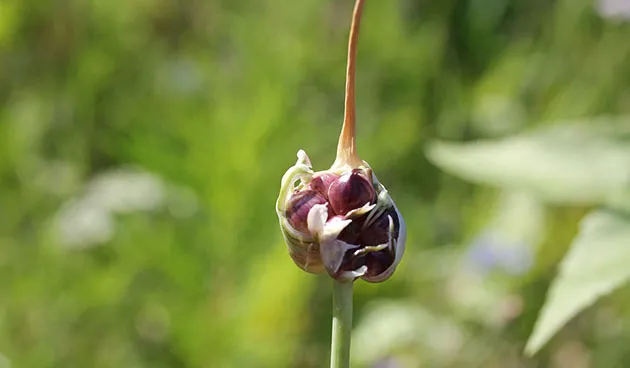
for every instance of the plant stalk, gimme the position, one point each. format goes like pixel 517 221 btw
pixel 341 325
pixel 346 148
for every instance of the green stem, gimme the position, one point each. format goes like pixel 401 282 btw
pixel 342 324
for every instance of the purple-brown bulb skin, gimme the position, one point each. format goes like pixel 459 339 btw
pixel 377 232
pixel 298 207
pixel 350 191
pixel 322 181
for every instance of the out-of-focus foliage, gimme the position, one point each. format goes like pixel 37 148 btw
pixel 577 164
pixel 596 264
pixel 571 166
pixel 142 145
pixel 567 168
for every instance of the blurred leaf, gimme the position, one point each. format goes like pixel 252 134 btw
pixel 595 265
pixel 581 164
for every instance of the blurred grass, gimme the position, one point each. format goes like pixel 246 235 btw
pixel 214 98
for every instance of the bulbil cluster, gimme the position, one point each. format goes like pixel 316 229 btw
pixel 341 221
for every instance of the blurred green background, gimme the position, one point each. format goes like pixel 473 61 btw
pixel 142 145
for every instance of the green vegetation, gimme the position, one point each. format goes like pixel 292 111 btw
pixel 142 145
